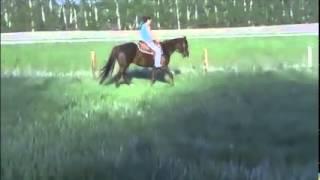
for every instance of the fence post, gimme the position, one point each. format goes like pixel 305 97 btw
pixel 93 64
pixel 205 60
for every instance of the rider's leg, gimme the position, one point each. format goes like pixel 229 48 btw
pixel 157 57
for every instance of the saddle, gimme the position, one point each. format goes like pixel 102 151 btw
pixel 144 48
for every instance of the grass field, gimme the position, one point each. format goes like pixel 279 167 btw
pixel 222 125
pixel 242 52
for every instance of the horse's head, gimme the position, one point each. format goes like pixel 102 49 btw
pixel 182 46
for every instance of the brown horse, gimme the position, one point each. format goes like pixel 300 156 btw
pixel 128 53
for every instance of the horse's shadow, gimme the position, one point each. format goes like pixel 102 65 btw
pixel 145 73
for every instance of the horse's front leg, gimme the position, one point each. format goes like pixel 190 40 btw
pixel 153 76
pixel 167 71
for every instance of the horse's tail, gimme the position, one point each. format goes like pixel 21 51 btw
pixel 108 68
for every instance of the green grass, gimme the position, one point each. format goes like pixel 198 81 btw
pixel 243 52
pixel 217 126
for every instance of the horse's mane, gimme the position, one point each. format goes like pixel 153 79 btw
pixel 172 40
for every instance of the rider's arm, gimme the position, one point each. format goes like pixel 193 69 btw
pixel 154 36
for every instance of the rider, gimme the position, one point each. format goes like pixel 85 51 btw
pixel 147 36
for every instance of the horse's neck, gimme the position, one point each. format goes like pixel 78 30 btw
pixel 169 48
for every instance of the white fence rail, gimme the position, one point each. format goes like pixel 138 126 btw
pixel 87 36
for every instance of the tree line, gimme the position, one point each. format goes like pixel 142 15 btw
pixel 44 15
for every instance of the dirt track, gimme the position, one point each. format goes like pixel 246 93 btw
pixel 86 36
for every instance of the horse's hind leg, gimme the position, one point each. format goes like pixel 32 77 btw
pixel 121 75
pixel 125 75
pixel 117 78
pixel 123 63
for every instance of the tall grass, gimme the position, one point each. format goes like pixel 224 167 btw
pixel 220 126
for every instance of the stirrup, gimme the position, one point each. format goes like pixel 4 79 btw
pixel 157 68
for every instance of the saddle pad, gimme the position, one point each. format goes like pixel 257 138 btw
pixel 143 47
